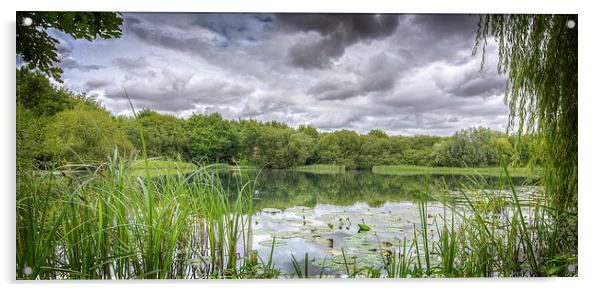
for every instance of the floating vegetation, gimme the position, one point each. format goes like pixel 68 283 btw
pixel 363 227
pixel 299 210
pixel 268 243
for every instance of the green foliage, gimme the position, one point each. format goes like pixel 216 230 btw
pixel 28 138
pixel 539 54
pixel 37 94
pixel 272 148
pixel 375 151
pixel 161 167
pixel 38 48
pixel 164 134
pixel 83 135
pixel 339 147
pixel 101 225
pixel 474 171
pixel 321 168
pixel 376 133
pixel 38 101
pixel 474 147
pixel 309 131
pixel 211 138
pixel 300 148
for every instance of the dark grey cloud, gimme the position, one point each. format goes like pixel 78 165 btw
pixel 97 83
pixel 379 74
pixel 479 85
pixel 425 38
pixel 337 32
pixel 354 27
pixel 131 63
pixel 261 105
pixel 70 63
pixel 446 25
pixel 467 81
pixel 334 89
pixel 157 36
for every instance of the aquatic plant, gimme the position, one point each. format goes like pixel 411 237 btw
pixel 470 171
pixel 322 168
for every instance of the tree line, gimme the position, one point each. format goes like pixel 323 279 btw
pixel 56 126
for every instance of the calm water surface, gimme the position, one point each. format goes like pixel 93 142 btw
pixel 319 214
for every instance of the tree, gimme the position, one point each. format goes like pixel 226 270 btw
pixel 375 150
pixel 376 133
pixel 84 135
pixel 308 130
pixel 38 101
pixel 37 94
pixel 339 147
pixel 273 148
pixel 328 149
pixel 38 48
pixel 473 147
pixel 300 148
pixel 248 133
pixel 212 138
pixel 164 135
pixel 28 138
pixel 539 55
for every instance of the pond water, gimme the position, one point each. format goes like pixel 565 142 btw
pixel 319 214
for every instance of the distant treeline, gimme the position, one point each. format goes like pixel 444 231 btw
pixel 55 126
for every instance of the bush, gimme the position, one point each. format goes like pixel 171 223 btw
pixel 164 135
pixel 29 137
pixel 84 135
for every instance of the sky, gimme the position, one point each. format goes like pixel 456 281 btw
pixel 404 74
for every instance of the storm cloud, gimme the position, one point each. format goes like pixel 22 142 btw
pixel 405 74
pixel 336 33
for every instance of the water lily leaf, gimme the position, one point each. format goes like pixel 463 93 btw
pixel 363 227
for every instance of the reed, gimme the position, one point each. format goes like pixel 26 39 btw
pixel 472 241
pixel 116 220
pixel 473 171
pixel 322 168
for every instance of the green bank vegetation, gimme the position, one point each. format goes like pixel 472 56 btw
pixel 470 171
pixel 57 127
pixel 322 168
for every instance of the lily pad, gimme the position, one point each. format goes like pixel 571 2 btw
pixel 363 227
pixel 299 210
pixel 268 243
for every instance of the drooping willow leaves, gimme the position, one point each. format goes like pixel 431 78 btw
pixel 539 55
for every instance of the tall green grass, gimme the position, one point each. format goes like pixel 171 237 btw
pixel 159 167
pixel 110 221
pixel 517 240
pixel 104 225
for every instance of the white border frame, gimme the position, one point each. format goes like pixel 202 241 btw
pixel 589 128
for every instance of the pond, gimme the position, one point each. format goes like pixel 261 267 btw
pixel 319 214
